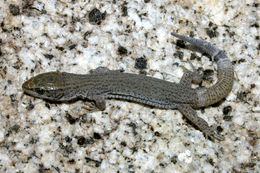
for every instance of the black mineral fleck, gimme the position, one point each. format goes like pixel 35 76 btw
pixel 95 16
pixel 227 110
pixel 121 50
pixel 48 56
pixel 140 63
pixel 96 136
pixel 14 10
pixel 179 54
pixel 180 43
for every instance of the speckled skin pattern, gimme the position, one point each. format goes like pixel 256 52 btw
pixel 103 83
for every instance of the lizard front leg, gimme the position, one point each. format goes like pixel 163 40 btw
pixel 97 102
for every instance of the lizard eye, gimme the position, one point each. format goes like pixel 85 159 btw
pixel 39 91
pixel 52 79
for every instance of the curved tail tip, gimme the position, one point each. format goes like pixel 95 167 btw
pixel 177 35
pixel 201 44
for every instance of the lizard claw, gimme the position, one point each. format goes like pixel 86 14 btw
pixel 211 132
pixel 90 107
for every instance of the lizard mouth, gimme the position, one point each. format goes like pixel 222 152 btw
pixel 30 89
pixel 29 84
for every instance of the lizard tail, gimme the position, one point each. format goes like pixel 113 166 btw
pixel 209 96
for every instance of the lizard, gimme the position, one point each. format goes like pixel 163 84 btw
pixel 102 83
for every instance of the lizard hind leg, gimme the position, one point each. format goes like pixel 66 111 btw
pixel 191 114
pixel 190 77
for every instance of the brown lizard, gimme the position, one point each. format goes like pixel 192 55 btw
pixel 103 83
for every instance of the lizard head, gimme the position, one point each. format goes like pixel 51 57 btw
pixel 45 86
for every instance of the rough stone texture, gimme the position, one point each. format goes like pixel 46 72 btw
pixel 127 137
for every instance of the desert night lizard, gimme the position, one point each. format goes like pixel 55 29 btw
pixel 103 83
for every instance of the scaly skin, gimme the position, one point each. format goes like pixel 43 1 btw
pixel 103 83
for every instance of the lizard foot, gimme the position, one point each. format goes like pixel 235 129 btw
pixel 211 132
pixel 90 107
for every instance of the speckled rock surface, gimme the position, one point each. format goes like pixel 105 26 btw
pixel 40 36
